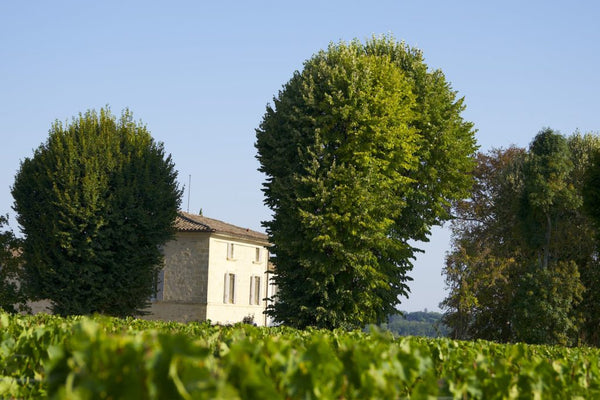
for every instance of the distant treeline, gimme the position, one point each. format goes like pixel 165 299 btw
pixel 420 323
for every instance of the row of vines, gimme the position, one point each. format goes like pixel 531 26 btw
pixel 93 358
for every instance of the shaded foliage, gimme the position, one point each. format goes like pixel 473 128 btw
pixel 12 298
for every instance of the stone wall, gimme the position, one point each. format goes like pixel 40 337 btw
pixel 41 306
pixel 185 278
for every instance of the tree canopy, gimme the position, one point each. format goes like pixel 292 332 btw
pixel 363 151
pixel 95 202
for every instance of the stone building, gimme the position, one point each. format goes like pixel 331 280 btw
pixel 213 270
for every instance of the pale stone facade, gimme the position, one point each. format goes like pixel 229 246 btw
pixel 214 271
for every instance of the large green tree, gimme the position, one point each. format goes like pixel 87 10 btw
pixel 95 202
pixel 547 192
pixel 363 151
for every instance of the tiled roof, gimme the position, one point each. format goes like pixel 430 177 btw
pixel 186 222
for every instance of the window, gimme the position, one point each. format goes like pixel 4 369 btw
pixel 230 251
pixel 229 292
pixel 255 290
pixel 258 255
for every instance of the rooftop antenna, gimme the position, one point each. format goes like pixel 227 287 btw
pixel 189 189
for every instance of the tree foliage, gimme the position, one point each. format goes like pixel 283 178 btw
pixel 591 190
pixel 427 324
pixel 12 298
pixel 523 264
pixel 95 202
pixel 591 275
pixel 363 150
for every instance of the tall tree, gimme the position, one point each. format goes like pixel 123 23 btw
pixel 546 192
pixel 95 202
pixel 548 286
pixel 363 151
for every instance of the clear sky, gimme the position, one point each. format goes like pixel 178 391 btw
pixel 200 74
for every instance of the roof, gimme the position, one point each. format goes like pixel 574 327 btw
pixel 186 222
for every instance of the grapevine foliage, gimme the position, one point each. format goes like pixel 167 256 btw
pixel 81 358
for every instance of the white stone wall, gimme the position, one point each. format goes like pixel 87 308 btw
pixel 244 266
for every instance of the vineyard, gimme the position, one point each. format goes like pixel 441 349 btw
pixel 87 358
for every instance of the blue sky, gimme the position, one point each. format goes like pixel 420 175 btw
pixel 200 75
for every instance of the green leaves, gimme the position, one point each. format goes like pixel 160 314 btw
pixel 95 202
pixel 79 358
pixel 342 149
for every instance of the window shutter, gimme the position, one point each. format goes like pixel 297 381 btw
pixel 230 251
pixel 232 288
pixel 257 285
pixel 258 255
